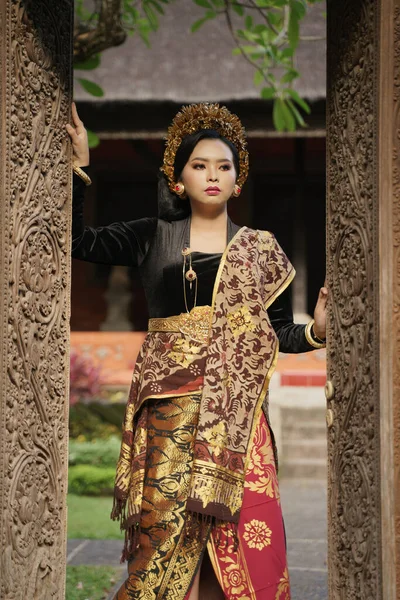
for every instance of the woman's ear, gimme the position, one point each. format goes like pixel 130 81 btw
pixel 236 190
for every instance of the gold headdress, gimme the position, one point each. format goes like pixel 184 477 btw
pixel 193 118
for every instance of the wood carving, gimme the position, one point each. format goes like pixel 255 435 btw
pixel 352 222
pixel 396 281
pixel 35 182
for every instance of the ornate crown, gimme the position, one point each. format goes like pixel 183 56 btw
pixel 193 118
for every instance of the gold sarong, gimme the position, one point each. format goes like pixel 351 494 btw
pixel 166 558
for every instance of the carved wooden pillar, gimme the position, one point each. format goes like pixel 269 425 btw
pixel 35 183
pixel 363 229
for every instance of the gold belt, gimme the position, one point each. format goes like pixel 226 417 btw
pixel 195 324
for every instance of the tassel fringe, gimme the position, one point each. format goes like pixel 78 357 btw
pixel 224 532
pixel 131 527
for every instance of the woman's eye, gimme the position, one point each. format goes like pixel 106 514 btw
pixel 198 166
pixel 226 167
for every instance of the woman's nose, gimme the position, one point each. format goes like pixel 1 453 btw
pixel 212 175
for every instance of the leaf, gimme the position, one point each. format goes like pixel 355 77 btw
pixel 293 30
pixel 88 65
pixel 289 76
pixel 248 22
pixel 210 14
pixel 93 139
pixel 302 103
pixel 238 9
pixel 267 93
pixel 287 52
pixel 203 3
pixel 296 113
pixel 151 16
pixel 258 77
pixel 91 88
pixel 299 9
pixel 277 115
pixel 157 7
pixel 288 116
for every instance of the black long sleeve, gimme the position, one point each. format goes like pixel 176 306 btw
pixel 291 336
pixel 124 243
pixel 160 243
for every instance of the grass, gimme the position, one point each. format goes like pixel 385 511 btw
pixel 90 583
pixel 89 518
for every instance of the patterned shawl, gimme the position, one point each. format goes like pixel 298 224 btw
pixel 231 364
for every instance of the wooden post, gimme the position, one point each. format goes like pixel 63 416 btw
pixel 35 185
pixel 363 229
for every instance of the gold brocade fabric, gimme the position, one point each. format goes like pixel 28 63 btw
pixel 226 352
pixel 165 560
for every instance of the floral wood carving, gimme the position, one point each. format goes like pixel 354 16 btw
pixel 396 280
pixel 354 469
pixel 35 181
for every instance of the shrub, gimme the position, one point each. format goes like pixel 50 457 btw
pixel 84 377
pixel 95 421
pixel 98 453
pixel 87 480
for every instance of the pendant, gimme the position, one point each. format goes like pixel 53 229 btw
pixel 191 274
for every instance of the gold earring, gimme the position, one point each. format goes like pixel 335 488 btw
pixel 179 189
pixel 236 191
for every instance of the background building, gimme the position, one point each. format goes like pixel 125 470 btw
pixel 144 88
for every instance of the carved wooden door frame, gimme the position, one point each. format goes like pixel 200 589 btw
pixel 35 191
pixel 363 265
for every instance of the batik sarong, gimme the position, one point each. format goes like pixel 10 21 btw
pixel 249 558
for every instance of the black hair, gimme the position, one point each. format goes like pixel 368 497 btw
pixel 172 207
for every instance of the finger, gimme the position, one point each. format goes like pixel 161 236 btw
pixel 75 116
pixel 72 132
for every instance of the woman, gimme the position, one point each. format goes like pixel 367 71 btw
pixel 197 469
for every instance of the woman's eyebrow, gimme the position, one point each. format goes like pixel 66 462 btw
pixel 207 159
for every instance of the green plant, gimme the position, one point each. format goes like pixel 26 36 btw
pixel 90 583
pixel 87 480
pixel 95 421
pixel 267 38
pixel 89 518
pixel 98 453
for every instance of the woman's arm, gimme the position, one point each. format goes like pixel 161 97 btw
pixel 292 338
pixel 117 244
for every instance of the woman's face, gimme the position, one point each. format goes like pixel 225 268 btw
pixel 209 175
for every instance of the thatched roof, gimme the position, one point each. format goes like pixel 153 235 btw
pixel 182 66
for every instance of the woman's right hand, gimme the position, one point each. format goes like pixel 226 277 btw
pixel 79 139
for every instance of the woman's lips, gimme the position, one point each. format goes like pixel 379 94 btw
pixel 213 191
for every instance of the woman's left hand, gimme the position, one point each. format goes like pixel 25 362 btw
pixel 319 326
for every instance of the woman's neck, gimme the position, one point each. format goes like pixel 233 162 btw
pixel 208 233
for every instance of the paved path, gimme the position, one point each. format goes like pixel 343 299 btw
pixel 304 509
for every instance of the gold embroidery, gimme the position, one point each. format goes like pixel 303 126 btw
pixel 217 437
pixel 213 483
pixel 184 352
pixel 257 534
pixel 234 577
pixel 266 241
pixel 262 463
pixel 241 321
pixel 283 587
pixel 194 325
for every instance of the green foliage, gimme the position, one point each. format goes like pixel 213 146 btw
pixel 87 480
pixel 91 87
pixel 98 453
pixel 267 38
pixel 84 582
pixel 89 518
pixel 96 420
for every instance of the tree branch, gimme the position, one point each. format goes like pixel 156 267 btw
pixel 108 32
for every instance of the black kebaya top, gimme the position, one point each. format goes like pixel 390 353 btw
pixel 155 247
